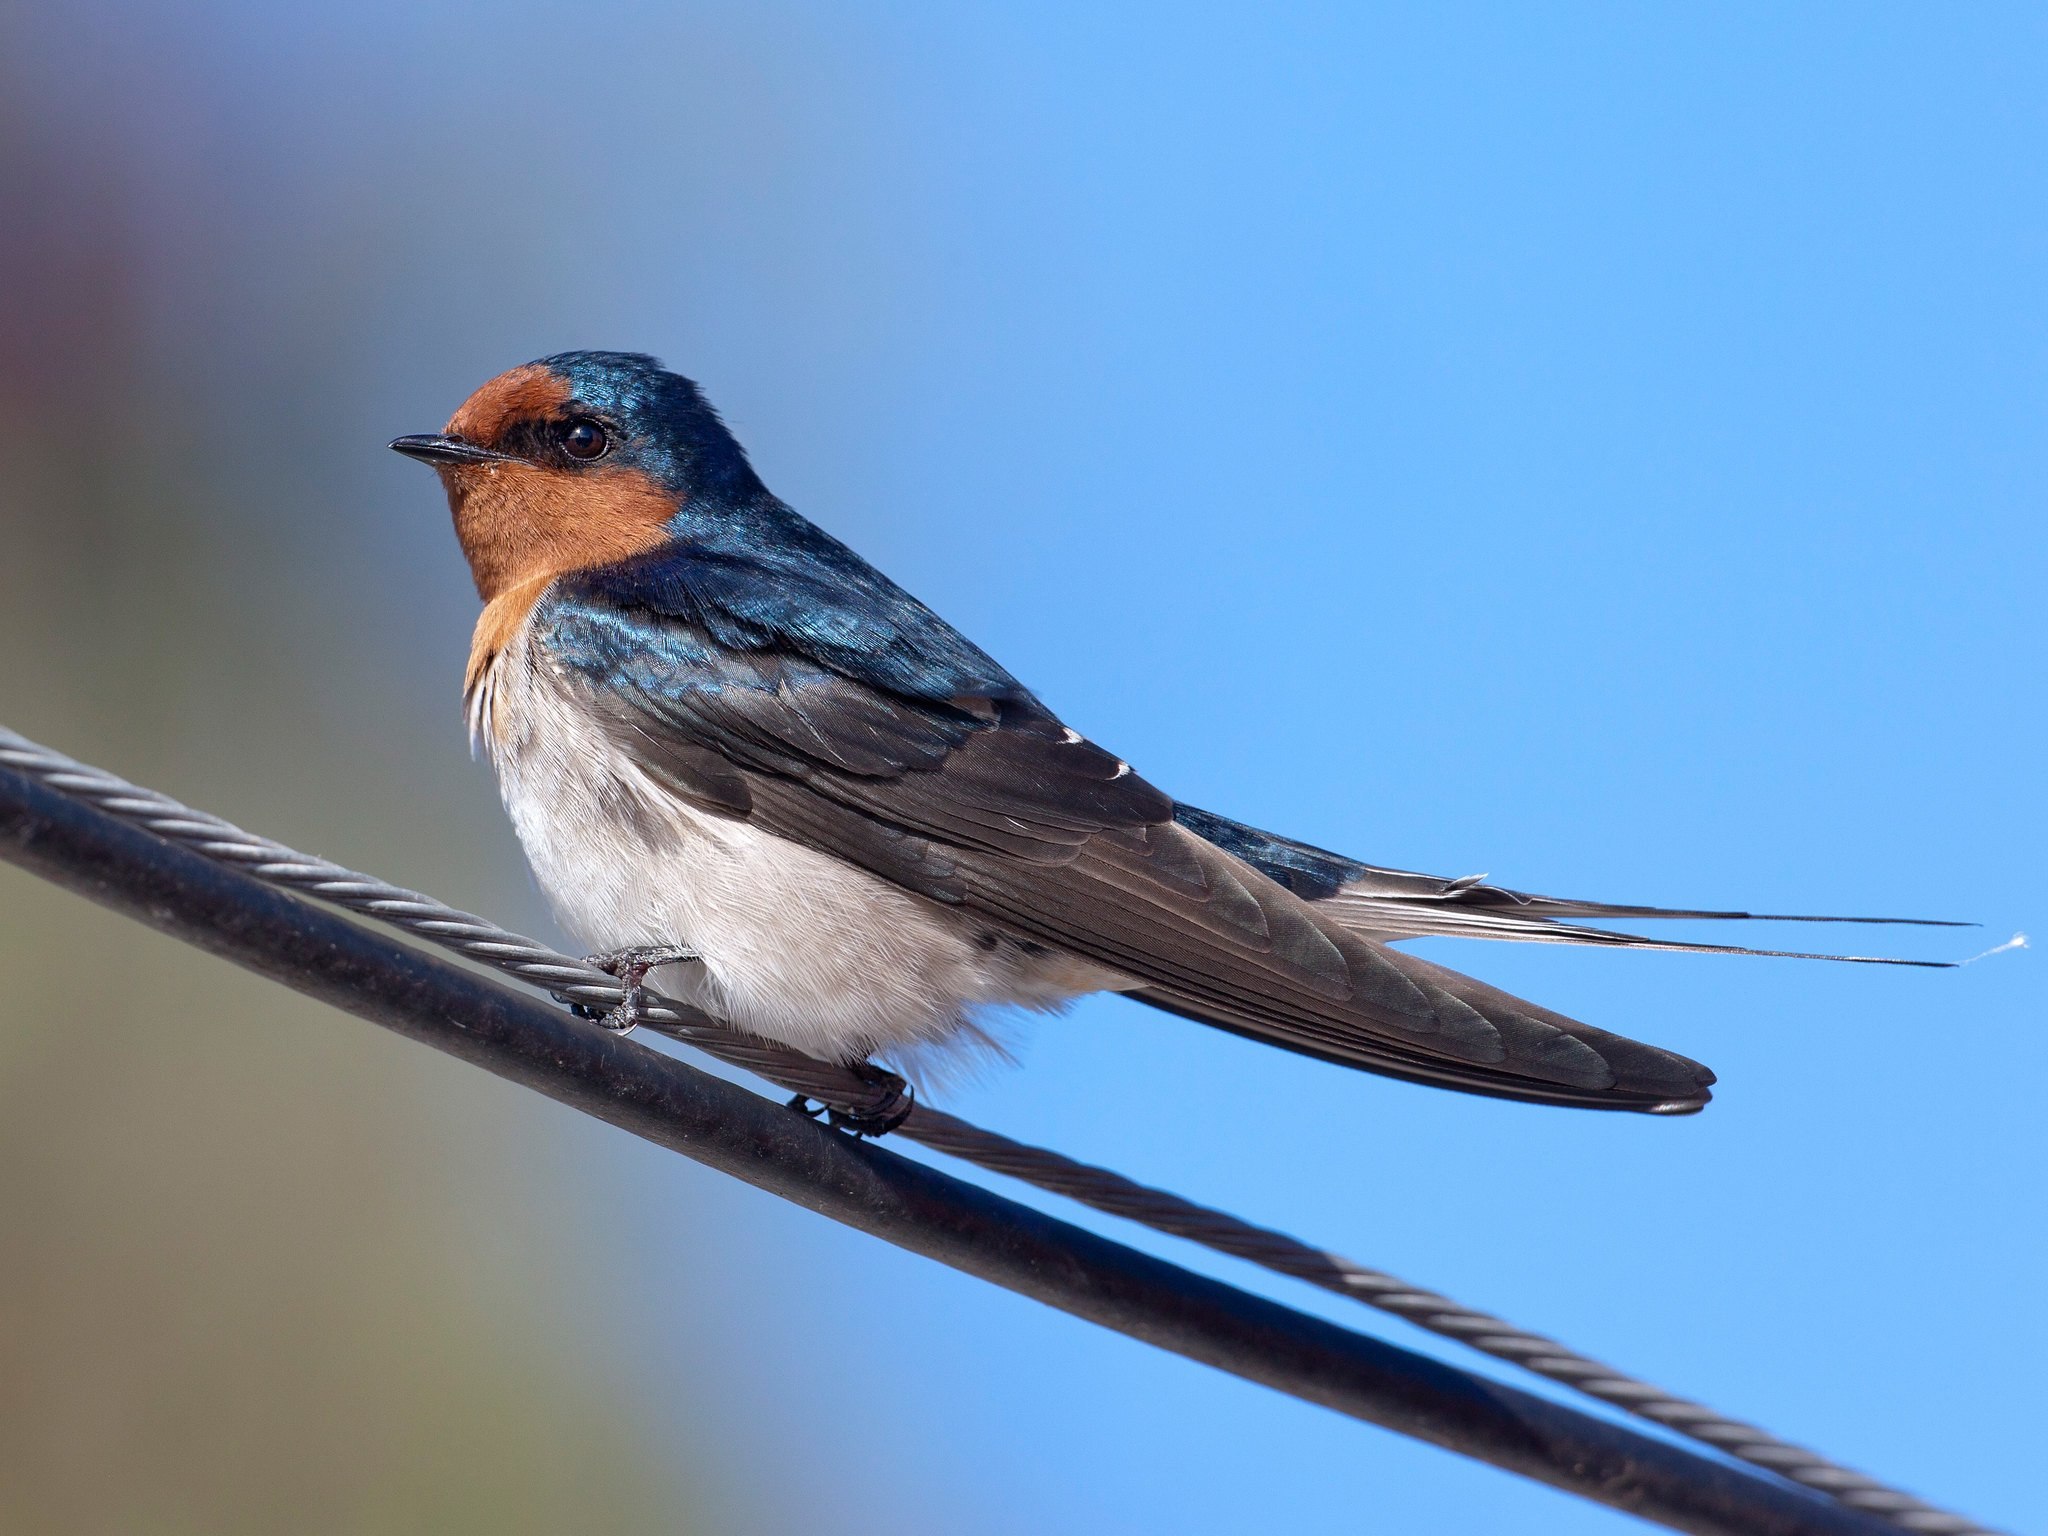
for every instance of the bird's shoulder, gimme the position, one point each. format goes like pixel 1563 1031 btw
pixel 799 594
pixel 736 676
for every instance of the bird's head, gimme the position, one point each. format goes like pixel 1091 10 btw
pixel 578 460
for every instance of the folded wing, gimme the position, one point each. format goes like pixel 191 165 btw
pixel 980 798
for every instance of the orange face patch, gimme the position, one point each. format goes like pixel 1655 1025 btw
pixel 527 393
pixel 518 522
pixel 522 523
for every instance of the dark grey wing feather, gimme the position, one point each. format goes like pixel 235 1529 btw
pixel 991 804
pixel 1295 980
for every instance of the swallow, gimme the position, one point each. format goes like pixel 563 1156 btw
pixel 741 759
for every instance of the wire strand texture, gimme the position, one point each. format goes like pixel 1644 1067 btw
pixel 868 1097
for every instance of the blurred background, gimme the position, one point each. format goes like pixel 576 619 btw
pixel 1597 444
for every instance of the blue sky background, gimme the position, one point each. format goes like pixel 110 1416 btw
pixel 1601 445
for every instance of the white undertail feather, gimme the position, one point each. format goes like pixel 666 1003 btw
pixel 797 946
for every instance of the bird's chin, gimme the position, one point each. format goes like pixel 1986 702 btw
pixel 479 488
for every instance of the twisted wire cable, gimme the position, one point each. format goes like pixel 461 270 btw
pixel 1112 1193
pixel 865 1096
pixel 461 933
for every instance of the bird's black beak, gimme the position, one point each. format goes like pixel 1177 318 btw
pixel 434 448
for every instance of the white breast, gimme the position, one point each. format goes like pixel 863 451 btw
pixel 797 946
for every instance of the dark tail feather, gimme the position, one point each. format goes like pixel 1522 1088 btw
pixel 1387 919
pixel 1472 893
pixel 1390 904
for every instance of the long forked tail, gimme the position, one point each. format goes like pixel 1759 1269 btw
pixel 1391 904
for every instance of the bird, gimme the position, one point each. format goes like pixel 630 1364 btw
pixel 747 766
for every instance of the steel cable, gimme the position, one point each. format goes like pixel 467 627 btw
pixel 863 1095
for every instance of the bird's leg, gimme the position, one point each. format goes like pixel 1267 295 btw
pixel 631 966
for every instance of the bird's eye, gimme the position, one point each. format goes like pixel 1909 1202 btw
pixel 584 440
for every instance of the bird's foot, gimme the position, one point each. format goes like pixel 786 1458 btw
pixel 893 1101
pixel 630 966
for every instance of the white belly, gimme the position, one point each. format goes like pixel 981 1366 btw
pixel 796 945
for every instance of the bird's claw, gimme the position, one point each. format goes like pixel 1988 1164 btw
pixel 892 1107
pixel 630 966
